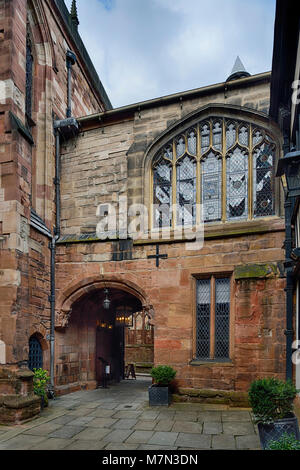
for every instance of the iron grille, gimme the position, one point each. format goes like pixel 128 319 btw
pixel 35 359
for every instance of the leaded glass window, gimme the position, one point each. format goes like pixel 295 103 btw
pixel 222 311
pixel 213 318
pixel 263 179
pixel 29 78
pixel 186 191
pixel 237 184
pixel 224 164
pixel 212 187
pixel 203 318
pixel 162 193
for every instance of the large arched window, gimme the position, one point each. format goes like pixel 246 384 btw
pixel 226 165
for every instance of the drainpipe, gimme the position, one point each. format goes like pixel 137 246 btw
pixel 52 246
pixel 289 268
pixel 62 128
pixel 70 60
pixel 289 333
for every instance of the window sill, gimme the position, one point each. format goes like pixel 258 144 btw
pixel 217 230
pixel 212 362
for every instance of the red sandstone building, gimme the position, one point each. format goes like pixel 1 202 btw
pixel 215 313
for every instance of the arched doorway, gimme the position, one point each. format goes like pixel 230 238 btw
pixel 110 333
pixel 90 337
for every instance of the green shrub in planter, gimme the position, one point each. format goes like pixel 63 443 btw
pixel 271 399
pixel 163 375
pixel 286 442
pixel 40 381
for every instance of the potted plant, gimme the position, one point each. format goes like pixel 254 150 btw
pixel 272 400
pixel 159 392
pixel 40 381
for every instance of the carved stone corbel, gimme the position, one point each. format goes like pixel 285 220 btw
pixel 62 319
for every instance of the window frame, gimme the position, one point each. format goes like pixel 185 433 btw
pixel 240 122
pixel 212 276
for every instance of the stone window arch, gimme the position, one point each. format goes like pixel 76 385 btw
pixel 226 164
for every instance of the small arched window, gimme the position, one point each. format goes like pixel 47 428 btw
pixel 35 358
pixel 226 165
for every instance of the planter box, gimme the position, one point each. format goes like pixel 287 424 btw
pixel 272 432
pixel 159 396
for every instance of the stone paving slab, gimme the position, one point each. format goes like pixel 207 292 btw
pixel 85 445
pixel 118 436
pixel 248 442
pixel 81 421
pixel 223 442
pixel 164 425
pixel 102 422
pixel 145 425
pixel 120 418
pixel 187 426
pixel 124 423
pixel 22 442
pixel 43 429
pixel 194 441
pixel 67 431
pixel 93 434
pixel 163 438
pixel 238 428
pixel 139 437
pixel 52 444
pixel 101 413
pixel 212 428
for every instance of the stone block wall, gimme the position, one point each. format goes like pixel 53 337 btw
pixel 258 300
pixel 250 252
pixel 27 164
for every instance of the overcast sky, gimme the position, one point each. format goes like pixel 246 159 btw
pixel 144 49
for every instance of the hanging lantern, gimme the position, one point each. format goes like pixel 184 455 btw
pixel 106 301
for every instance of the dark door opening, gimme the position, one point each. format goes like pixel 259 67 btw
pixel 110 335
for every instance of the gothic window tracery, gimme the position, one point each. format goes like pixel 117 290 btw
pixel 227 165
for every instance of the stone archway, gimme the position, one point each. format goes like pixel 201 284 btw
pixel 88 337
pixel 85 286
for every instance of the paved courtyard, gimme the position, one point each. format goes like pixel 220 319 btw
pixel 119 418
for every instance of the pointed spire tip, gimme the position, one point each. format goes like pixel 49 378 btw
pixel 238 70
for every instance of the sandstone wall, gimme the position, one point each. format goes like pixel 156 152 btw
pixel 27 163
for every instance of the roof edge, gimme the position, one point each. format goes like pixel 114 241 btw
pixel 81 49
pixel 175 96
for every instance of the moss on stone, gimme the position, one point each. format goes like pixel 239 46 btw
pixel 255 271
